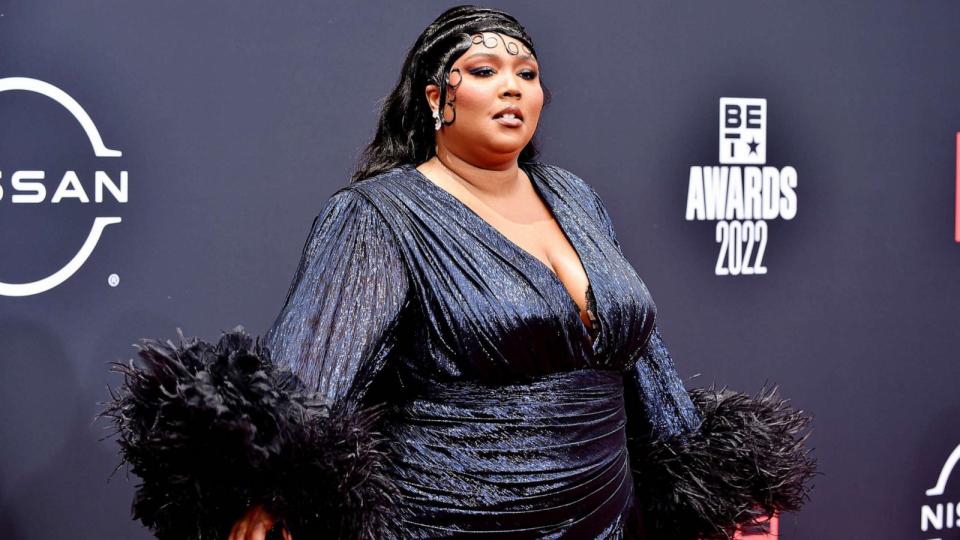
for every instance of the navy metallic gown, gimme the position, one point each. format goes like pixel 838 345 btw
pixel 508 418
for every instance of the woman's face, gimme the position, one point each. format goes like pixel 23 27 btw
pixel 496 72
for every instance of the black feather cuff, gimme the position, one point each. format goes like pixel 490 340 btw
pixel 748 461
pixel 212 429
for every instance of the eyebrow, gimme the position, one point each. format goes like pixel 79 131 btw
pixel 491 55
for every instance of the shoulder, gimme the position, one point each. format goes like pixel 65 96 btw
pixel 568 180
pixel 382 183
pixel 369 196
pixel 351 225
pixel 352 211
pixel 572 186
pixel 557 171
pixel 384 192
pixel 580 193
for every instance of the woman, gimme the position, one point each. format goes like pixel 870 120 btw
pixel 482 299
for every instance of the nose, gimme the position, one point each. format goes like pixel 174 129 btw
pixel 510 87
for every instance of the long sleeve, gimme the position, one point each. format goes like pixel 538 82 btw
pixel 707 460
pixel 212 428
pixel 337 326
pixel 658 404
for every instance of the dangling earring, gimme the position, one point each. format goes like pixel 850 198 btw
pixel 437 121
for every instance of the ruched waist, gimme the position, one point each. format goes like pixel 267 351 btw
pixel 535 460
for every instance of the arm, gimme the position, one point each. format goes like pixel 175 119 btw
pixel 336 328
pixel 335 333
pixel 217 429
pixel 658 404
pixel 706 461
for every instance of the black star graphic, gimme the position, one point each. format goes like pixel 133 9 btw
pixel 753 144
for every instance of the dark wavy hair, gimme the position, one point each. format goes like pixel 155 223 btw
pixel 405 132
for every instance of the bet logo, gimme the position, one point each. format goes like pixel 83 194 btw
pixel 742 194
pixel 743 131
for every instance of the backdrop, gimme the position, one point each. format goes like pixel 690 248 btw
pixel 781 174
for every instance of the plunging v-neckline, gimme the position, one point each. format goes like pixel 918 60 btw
pixel 547 202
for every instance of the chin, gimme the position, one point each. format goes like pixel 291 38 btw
pixel 505 142
pixel 502 149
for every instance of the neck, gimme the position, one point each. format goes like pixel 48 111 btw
pixel 496 180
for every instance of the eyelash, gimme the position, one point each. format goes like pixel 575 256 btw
pixel 478 71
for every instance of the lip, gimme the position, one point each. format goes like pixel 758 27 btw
pixel 509 122
pixel 515 110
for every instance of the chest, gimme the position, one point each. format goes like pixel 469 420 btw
pixel 499 307
pixel 527 222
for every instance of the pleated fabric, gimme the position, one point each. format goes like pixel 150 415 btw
pixel 531 460
pixel 509 417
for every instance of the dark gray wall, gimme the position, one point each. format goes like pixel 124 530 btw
pixel 237 119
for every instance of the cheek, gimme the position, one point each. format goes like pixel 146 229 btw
pixel 536 98
pixel 473 99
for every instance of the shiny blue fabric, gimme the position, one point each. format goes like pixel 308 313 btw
pixel 509 416
pixel 537 460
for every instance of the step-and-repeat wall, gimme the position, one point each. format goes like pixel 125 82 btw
pixel 783 175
